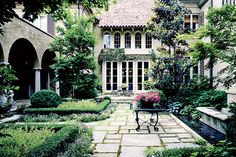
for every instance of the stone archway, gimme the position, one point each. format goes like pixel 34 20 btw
pixel 47 74
pixel 23 59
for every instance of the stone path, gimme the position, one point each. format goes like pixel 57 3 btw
pixel 117 137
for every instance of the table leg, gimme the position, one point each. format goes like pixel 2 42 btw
pixel 155 126
pixel 137 120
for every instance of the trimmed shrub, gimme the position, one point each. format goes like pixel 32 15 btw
pixel 213 98
pixel 107 98
pixel 59 142
pixel 61 111
pixel 45 98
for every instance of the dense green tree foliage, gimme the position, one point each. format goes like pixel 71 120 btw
pixel 76 64
pixel 221 30
pixel 165 25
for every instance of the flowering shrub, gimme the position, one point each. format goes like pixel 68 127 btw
pixel 147 100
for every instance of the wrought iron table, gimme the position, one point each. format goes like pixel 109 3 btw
pixel 152 112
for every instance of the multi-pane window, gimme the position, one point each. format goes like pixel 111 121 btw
pixel 191 21
pixel 127 40
pixel 232 2
pixel 117 40
pixel 148 41
pixel 108 76
pixel 111 75
pixel 130 75
pixel 142 68
pixel 138 40
pixel 106 40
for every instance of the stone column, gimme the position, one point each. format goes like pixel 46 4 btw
pixel 37 79
pixel 57 86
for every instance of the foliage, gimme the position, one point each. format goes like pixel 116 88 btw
pixel 45 98
pixel 32 10
pixel 198 83
pixel 174 107
pixel 231 131
pixel 60 141
pixel 75 67
pixel 84 117
pixel 22 141
pixel 81 147
pixel 142 100
pixel 168 73
pixel 167 23
pixel 71 107
pixel 200 142
pixel 111 55
pixel 7 77
pixel 214 98
pixel 119 55
pixel 220 28
pixel 107 98
pixel 223 149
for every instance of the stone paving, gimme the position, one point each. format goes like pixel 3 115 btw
pixel 117 137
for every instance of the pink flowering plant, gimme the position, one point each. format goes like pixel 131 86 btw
pixel 147 100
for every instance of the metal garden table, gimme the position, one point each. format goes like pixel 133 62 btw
pixel 152 112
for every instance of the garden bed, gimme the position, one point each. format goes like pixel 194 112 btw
pixel 75 117
pixel 71 107
pixel 44 140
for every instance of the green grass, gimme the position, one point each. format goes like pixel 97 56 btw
pixel 88 105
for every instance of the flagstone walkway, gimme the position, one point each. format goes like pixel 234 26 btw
pixel 117 137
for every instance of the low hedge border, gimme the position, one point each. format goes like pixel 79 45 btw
pixel 84 117
pixel 59 142
pixel 60 111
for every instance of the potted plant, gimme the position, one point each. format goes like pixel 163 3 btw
pixel 7 76
pixel 148 100
pixel 124 86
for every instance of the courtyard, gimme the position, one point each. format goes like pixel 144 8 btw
pixel 117 136
pixel 124 78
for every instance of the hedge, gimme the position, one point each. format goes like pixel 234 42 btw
pixel 62 111
pixel 60 142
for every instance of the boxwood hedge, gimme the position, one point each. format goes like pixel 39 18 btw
pixel 60 141
pixel 63 111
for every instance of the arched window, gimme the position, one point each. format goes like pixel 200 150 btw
pixel 127 40
pixel 106 40
pixel 117 40
pixel 148 41
pixel 138 41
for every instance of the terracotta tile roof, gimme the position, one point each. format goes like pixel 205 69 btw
pixel 127 13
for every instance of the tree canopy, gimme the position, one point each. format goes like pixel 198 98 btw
pixel 165 25
pixel 221 29
pixel 76 64
pixel 32 8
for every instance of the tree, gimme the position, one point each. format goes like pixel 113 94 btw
pixel 165 26
pixel 34 8
pixel 221 29
pixel 76 64
pixel 167 23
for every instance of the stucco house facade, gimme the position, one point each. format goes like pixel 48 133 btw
pixel 123 27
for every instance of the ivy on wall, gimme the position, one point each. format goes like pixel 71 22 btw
pixel 119 55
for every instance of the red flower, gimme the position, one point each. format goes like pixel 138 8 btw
pixel 152 97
